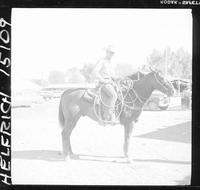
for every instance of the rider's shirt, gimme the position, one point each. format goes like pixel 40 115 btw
pixel 104 68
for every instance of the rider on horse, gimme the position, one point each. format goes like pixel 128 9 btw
pixel 102 72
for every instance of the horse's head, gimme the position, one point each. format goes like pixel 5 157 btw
pixel 161 84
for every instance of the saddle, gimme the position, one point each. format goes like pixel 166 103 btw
pixel 122 85
pixel 94 96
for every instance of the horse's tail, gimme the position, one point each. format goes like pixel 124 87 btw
pixel 61 117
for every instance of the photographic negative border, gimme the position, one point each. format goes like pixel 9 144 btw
pixel 5 93
pixel 5 71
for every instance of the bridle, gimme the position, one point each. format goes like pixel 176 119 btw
pixel 160 83
pixel 138 97
pixel 130 89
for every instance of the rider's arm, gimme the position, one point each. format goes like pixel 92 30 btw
pixel 96 72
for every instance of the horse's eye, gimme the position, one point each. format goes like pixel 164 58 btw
pixel 162 78
pixel 158 73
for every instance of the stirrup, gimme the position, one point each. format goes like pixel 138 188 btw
pixel 115 122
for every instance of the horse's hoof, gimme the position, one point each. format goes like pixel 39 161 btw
pixel 67 158
pixel 129 160
pixel 74 156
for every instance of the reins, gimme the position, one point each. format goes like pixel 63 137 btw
pixel 160 82
pixel 137 96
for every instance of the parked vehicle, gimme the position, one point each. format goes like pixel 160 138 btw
pixel 25 93
pixel 157 101
pixel 55 91
pixel 52 91
pixel 186 99
pixel 25 98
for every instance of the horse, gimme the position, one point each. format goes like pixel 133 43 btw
pixel 74 104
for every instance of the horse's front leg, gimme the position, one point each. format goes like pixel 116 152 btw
pixel 127 139
pixel 67 150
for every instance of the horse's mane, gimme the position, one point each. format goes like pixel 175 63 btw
pixel 136 76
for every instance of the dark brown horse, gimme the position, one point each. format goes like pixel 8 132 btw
pixel 74 104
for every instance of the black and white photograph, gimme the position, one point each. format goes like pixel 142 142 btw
pixel 101 96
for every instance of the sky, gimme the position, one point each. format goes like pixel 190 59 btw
pixel 58 39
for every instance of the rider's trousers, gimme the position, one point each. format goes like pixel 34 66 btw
pixel 111 95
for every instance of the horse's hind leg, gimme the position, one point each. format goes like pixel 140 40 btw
pixel 65 139
pixel 66 133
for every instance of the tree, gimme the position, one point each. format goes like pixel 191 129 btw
pixel 74 75
pixel 156 60
pixel 184 62
pixel 122 70
pixel 56 77
pixel 174 63
pixel 40 82
pixel 87 71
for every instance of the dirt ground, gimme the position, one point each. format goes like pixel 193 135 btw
pixel 161 149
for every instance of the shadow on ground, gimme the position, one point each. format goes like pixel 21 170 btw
pixel 50 155
pixel 47 155
pixel 178 133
